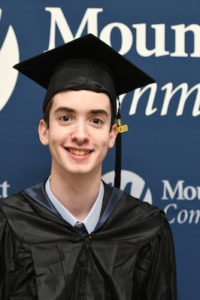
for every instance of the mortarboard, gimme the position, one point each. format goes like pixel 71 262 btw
pixel 86 63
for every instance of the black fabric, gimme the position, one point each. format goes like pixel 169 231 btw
pixel 82 74
pixel 118 154
pixel 81 229
pixel 126 75
pixel 131 257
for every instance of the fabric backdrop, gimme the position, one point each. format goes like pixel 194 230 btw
pixel 161 149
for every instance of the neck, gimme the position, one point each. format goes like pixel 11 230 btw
pixel 77 193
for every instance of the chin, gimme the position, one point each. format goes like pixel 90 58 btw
pixel 82 171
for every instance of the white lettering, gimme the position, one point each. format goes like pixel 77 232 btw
pixel 198 192
pixel 193 214
pixel 189 193
pixel 126 36
pixel 174 206
pixel 170 92
pixel 180 31
pixel 4 189
pixel 141 40
pixel 58 20
pixel 90 23
pixel 182 192
pixel 136 97
pixel 170 193
pixel 184 95
pixel 181 216
pixel 121 98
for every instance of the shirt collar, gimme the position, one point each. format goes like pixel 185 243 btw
pixel 92 218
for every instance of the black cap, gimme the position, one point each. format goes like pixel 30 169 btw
pixel 126 75
pixel 85 63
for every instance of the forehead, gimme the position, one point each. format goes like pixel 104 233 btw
pixel 81 101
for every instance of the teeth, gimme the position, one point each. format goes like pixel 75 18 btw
pixel 79 152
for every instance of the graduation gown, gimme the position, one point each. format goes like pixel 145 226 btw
pixel 129 256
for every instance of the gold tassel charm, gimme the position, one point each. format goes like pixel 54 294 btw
pixel 121 128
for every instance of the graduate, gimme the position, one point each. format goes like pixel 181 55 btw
pixel 73 237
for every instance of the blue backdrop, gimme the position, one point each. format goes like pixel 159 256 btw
pixel 161 149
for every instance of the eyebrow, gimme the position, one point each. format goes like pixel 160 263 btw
pixel 99 111
pixel 64 109
pixel 71 110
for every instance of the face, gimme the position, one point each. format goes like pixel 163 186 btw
pixel 79 133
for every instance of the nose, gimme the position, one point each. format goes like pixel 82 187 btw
pixel 80 135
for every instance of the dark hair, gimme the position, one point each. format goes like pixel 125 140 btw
pixel 47 112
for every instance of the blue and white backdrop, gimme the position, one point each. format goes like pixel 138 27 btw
pixel 161 151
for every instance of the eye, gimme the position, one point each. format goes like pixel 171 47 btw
pixel 65 118
pixel 97 122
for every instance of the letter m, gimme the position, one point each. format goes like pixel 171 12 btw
pixel 170 193
pixel 58 20
pixel 185 93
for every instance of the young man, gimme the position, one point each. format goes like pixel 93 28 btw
pixel 73 237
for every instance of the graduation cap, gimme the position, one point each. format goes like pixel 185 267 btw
pixel 90 64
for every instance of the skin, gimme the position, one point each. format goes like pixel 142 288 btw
pixel 78 137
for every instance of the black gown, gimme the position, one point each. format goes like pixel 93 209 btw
pixel 129 256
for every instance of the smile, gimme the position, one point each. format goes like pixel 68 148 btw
pixel 79 152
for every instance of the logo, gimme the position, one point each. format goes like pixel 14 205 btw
pixel 9 55
pixel 131 183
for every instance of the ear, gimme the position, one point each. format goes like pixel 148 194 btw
pixel 113 135
pixel 43 132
